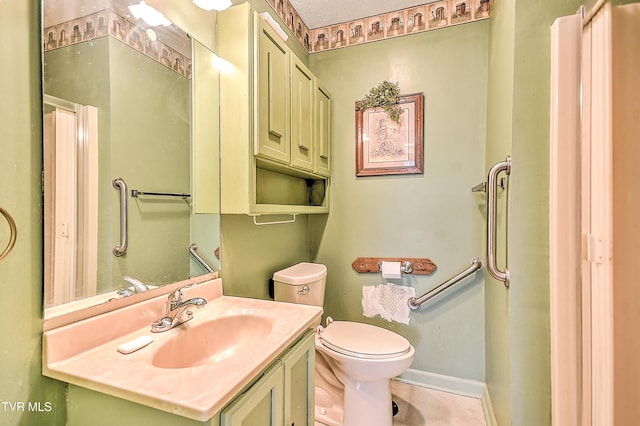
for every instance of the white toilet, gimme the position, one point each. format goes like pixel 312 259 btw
pixel 363 358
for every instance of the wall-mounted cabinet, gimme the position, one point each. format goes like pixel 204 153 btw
pixel 275 147
pixel 323 130
pixel 273 97
pixel 302 119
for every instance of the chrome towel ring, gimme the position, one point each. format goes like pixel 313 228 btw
pixel 12 235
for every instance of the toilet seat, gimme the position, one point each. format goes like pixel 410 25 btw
pixel 363 340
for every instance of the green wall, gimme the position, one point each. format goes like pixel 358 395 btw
pixel 21 272
pixel 499 134
pixel 518 123
pixel 251 254
pixel 433 215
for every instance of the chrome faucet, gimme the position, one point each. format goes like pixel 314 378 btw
pixel 177 311
pixel 137 286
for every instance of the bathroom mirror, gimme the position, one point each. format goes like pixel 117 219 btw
pixel 125 98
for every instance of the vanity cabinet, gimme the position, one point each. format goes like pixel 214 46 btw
pixel 274 122
pixel 283 395
pixel 262 404
pixel 299 384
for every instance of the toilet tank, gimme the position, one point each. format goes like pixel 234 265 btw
pixel 302 283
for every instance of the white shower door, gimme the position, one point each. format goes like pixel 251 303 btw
pixel 69 180
pixel 594 204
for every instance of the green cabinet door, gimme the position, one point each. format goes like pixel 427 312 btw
pixel 261 404
pixel 273 134
pixel 322 130
pixel 299 384
pixel 302 110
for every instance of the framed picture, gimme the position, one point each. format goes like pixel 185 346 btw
pixel 386 147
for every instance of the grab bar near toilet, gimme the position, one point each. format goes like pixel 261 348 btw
pixel 415 302
pixel 492 202
pixel 491 187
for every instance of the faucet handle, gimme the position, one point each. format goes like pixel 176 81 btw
pixel 176 295
pixel 174 299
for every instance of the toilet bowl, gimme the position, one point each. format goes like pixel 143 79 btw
pixel 364 358
pixel 355 362
pixel 329 393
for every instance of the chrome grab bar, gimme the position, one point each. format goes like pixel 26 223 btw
pixel 193 249
pixel 492 184
pixel 414 303
pixel 119 184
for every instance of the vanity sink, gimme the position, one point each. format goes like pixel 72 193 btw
pixel 193 369
pixel 212 341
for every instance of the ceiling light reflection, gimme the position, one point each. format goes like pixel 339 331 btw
pixel 212 4
pixel 148 14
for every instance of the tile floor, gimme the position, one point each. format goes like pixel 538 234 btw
pixel 420 406
pixel 423 406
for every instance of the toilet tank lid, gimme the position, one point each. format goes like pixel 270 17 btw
pixel 301 273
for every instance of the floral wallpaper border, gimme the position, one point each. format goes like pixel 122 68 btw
pixel 109 23
pixel 412 20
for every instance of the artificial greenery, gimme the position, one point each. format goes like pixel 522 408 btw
pixel 385 95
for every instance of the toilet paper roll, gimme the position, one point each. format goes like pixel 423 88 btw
pixel 391 270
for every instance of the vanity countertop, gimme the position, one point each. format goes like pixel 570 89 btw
pixel 85 353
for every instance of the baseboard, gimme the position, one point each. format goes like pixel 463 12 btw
pixel 487 408
pixel 464 387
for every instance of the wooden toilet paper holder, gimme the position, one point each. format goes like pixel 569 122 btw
pixel 421 266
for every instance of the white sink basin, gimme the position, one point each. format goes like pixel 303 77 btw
pixel 213 341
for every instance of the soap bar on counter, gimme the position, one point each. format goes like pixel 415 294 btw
pixel 135 344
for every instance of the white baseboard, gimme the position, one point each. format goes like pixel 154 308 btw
pixel 487 408
pixel 455 385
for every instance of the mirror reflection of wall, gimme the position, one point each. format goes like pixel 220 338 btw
pixel 137 81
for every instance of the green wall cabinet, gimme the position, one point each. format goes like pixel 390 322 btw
pixel 302 119
pixel 273 96
pixel 322 130
pixel 273 161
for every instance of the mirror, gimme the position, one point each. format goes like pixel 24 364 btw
pixel 124 99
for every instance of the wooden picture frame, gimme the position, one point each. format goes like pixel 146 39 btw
pixel 384 147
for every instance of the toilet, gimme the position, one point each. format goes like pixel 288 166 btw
pixel 355 362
